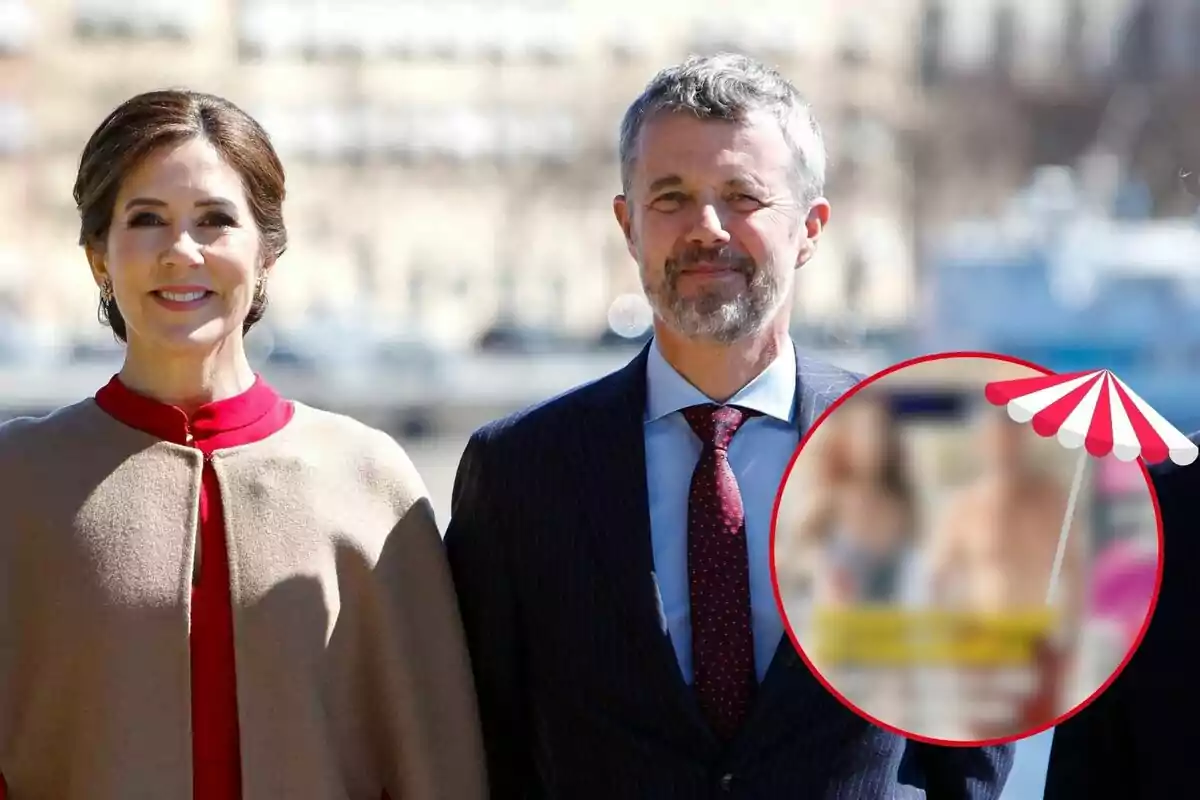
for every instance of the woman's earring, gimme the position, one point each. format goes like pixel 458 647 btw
pixel 103 311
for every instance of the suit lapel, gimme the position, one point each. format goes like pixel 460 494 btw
pixel 813 397
pixel 619 516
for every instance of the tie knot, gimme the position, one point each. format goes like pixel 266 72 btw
pixel 716 425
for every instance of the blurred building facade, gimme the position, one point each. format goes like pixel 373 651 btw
pixel 449 163
pixel 453 163
pixel 1109 86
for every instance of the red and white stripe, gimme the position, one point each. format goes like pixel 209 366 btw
pixel 1094 410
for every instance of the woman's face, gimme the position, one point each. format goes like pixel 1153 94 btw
pixel 183 252
pixel 866 435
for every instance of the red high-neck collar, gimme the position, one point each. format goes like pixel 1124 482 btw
pixel 222 421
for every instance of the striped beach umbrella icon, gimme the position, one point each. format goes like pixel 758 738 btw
pixel 1096 413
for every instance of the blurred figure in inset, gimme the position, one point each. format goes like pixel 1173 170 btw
pixel 855 541
pixel 857 531
pixel 993 552
pixel 993 549
pixel 208 590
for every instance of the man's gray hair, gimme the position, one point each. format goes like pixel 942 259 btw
pixel 730 87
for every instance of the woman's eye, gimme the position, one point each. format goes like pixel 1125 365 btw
pixel 219 220
pixel 144 219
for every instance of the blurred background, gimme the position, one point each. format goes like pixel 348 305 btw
pixel 1005 176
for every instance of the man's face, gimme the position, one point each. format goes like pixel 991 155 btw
pixel 717 227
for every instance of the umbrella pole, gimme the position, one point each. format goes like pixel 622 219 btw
pixel 1076 484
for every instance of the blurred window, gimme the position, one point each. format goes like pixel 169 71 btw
pixel 352 133
pixel 1194 28
pixel 140 19
pixel 473 135
pixel 16 129
pixel 559 139
pixel 1004 39
pixel 330 134
pixel 269 29
pixel 551 37
pixel 1074 29
pixel 384 132
pixel 712 36
pixel 933 34
pixel 1140 51
pixel 629 42
pixel 461 30
pixel 340 29
pixel 16 27
pixel 855 47
pixel 779 38
pixel 525 137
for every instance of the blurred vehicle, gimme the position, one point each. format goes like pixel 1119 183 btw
pixel 14 340
pixel 512 337
pixel 610 339
pixel 96 350
pixel 338 347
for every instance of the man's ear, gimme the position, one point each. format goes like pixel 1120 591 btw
pixel 814 225
pixel 624 214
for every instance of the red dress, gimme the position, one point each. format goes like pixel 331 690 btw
pixel 249 417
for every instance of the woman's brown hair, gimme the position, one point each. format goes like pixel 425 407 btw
pixel 153 120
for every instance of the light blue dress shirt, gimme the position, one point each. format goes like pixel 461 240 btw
pixel 759 455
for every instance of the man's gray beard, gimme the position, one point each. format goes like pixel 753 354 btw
pixel 712 316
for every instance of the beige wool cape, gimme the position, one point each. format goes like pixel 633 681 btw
pixel 352 672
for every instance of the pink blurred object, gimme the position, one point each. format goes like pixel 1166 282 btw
pixel 1120 477
pixel 1123 585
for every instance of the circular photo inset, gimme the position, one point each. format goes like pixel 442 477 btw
pixel 965 561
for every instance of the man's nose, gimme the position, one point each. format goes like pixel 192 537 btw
pixel 708 229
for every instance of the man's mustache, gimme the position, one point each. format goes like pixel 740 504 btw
pixel 720 257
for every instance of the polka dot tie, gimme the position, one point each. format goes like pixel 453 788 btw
pixel 719 575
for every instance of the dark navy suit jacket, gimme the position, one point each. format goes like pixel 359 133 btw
pixel 1137 741
pixel 580 691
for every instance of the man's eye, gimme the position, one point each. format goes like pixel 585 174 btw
pixel 672 199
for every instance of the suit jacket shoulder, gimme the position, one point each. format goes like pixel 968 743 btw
pixel 826 380
pixel 546 420
pixel 1170 477
pixel 820 384
pixel 1177 489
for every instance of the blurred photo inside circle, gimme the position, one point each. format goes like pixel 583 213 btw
pixel 914 549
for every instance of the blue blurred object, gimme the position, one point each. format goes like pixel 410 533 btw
pixel 1027 781
pixel 1091 292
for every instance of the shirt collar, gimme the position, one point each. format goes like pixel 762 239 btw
pixel 772 393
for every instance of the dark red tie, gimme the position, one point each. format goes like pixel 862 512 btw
pixel 719 575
